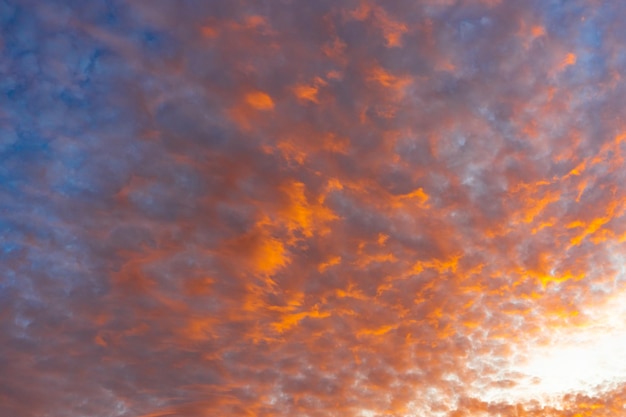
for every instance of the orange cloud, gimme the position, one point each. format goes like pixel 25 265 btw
pixel 270 256
pixel 260 100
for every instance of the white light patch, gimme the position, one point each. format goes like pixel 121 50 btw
pixel 577 363
pixel 578 359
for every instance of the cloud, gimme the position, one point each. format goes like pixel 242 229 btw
pixel 337 208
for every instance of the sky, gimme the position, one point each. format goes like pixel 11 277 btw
pixel 344 208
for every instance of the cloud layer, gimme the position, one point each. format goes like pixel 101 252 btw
pixel 329 208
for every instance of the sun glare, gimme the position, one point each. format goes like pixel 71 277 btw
pixel 587 359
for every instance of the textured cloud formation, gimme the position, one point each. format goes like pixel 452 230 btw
pixel 312 208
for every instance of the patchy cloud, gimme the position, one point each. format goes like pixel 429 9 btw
pixel 330 208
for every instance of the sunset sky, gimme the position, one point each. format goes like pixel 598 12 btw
pixel 312 208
